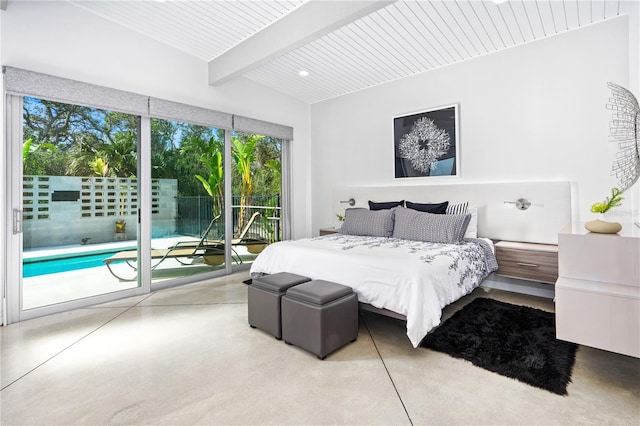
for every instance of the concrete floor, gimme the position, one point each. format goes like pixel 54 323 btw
pixel 187 356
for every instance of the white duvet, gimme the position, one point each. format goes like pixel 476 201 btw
pixel 415 279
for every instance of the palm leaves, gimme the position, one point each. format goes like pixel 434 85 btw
pixel 30 147
pixel 210 154
pixel 243 148
pixel 99 166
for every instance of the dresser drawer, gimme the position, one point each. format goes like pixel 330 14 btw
pixel 531 262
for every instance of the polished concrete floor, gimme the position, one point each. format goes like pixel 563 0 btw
pixel 187 356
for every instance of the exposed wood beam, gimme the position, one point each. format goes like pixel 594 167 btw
pixel 308 22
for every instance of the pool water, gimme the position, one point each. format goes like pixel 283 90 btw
pixel 51 265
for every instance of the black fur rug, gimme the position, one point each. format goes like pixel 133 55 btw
pixel 515 341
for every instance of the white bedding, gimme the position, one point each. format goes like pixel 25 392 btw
pixel 413 278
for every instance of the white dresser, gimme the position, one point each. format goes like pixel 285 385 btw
pixel 598 289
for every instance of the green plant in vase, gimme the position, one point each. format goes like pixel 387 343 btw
pixel 601 226
pixel 608 203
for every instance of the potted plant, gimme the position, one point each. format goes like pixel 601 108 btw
pixel 121 229
pixel 601 226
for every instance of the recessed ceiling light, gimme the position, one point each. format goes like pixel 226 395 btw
pixel 303 73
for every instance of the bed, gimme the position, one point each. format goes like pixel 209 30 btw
pixel 414 264
pixel 413 278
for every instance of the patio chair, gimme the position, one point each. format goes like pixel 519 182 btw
pixel 254 245
pixel 211 250
pixel 205 247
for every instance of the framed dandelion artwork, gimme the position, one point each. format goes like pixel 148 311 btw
pixel 426 143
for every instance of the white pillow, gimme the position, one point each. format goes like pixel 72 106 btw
pixel 472 229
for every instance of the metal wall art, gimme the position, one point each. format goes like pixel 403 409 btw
pixel 426 143
pixel 625 131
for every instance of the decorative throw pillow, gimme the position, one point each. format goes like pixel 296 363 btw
pixel 463 208
pixel 434 228
pixel 438 208
pixel 372 223
pixel 472 229
pixel 460 208
pixel 374 205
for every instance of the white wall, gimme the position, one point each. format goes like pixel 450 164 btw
pixel 3 238
pixel 634 48
pixel 60 39
pixel 633 193
pixel 534 112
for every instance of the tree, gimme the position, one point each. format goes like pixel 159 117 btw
pixel 79 135
pixel 243 150
pixel 74 140
pixel 210 154
pixel 28 148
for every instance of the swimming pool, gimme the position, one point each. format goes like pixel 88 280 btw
pixel 63 263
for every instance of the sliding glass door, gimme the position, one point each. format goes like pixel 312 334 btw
pixel 187 200
pixel 80 198
pixel 257 194
pixel 109 203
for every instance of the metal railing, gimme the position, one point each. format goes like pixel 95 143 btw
pixel 195 213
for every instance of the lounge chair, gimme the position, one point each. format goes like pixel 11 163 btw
pixel 211 250
pixel 254 245
pixel 182 250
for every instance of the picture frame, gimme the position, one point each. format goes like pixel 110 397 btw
pixel 426 143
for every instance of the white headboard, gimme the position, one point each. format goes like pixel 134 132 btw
pixel 550 209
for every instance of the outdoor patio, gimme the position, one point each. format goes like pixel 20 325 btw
pixel 48 289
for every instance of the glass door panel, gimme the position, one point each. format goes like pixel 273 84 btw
pixel 257 188
pixel 187 198
pixel 79 202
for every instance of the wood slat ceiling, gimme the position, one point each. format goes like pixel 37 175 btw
pixel 402 39
pixel 204 29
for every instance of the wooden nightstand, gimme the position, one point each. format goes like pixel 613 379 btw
pixel 527 261
pixel 328 231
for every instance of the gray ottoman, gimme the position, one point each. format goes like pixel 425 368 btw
pixel 320 316
pixel 264 296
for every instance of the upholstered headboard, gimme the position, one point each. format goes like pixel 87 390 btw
pixel 498 217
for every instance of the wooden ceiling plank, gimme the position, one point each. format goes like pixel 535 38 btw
pixel 409 14
pixel 306 23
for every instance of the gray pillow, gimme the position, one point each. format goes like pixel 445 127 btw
pixel 371 223
pixel 434 228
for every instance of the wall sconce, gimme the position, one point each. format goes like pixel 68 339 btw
pixel 520 203
pixel 350 201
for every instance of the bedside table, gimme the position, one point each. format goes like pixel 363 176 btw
pixel 328 231
pixel 527 261
pixel 598 292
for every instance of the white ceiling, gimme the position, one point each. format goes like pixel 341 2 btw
pixel 401 39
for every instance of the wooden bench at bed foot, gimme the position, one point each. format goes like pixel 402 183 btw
pixel 319 316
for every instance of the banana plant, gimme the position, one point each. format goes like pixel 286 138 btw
pixel 29 147
pixel 215 184
pixel 210 154
pixel 243 150
pixel 99 166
